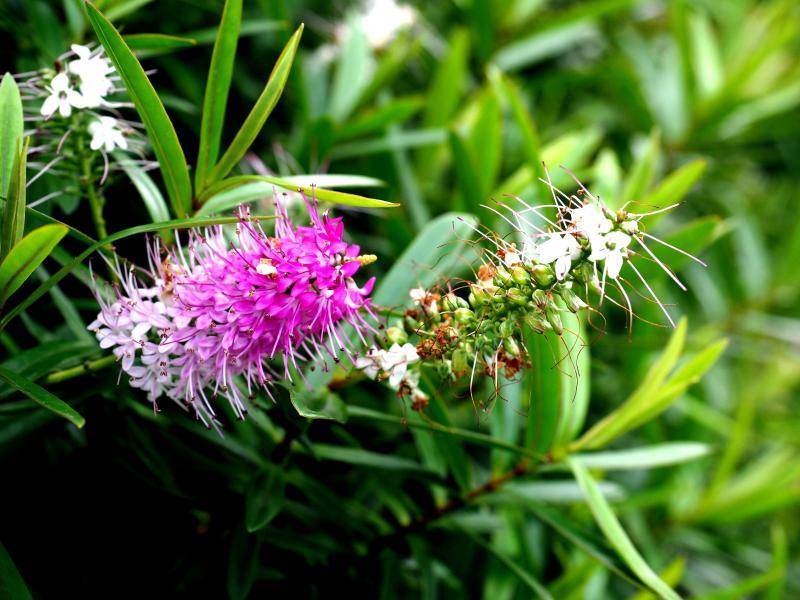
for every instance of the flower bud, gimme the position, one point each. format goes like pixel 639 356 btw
pixel 395 335
pixel 449 303
pixel 543 275
pixel 411 323
pixel 502 277
pixel 554 319
pixel 517 297
pixel 473 299
pixel 464 315
pixel 539 298
pixel 520 275
pixel 510 345
pixel 571 299
pixel 506 329
pixel 459 361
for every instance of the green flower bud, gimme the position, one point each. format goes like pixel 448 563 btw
pixel 411 324
pixel 540 298
pixel 517 297
pixel 538 323
pixel 459 361
pixel 571 299
pixel 395 335
pixel 460 302
pixel 502 277
pixel 520 275
pixel 543 275
pixel 554 319
pixel 464 315
pixel 473 299
pixel 507 329
pixel 511 346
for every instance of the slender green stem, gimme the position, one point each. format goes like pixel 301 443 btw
pixel 88 180
pixel 87 367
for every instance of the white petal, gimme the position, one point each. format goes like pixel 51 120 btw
pixel 614 264
pixel 60 83
pixel 64 109
pixel 562 267
pixel 50 105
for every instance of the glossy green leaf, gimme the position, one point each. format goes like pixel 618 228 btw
pixel 139 42
pixel 14 207
pixel 265 498
pixel 673 188
pixel 615 534
pixel 220 73
pixel 378 119
pixel 151 110
pixel 258 115
pixel 434 252
pixel 366 458
pixel 41 396
pixel 648 457
pixel 148 190
pixel 25 256
pixel 318 403
pixel 353 71
pixel 10 131
pixel 322 195
pixel 643 172
pixel 11 583
pixel 466 168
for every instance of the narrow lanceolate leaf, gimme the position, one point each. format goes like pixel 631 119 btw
pixel 220 73
pixel 332 196
pixel 10 130
pixel 674 187
pixel 615 534
pixel 41 396
pixel 14 209
pixel 25 256
pixel 11 583
pixel 262 109
pixel 160 130
pixel 265 498
pixel 649 457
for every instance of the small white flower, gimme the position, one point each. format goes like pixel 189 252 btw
pixel 106 133
pixel 93 73
pixel 62 97
pixel 561 249
pixel 382 20
pixel 613 251
pixel 590 221
pixel 392 363
pixel 512 257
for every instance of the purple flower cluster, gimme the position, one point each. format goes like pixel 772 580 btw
pixel 223 309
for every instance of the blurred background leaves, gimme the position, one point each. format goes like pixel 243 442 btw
pixel 649 102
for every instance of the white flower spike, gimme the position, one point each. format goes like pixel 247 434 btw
pixel 62 97
pixel 107 134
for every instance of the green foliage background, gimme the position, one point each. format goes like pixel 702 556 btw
pixel 339 489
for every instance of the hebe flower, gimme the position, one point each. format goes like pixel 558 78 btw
pixel 230 308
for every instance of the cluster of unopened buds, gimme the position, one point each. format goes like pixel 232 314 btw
pixel 227 318
pixel 478 328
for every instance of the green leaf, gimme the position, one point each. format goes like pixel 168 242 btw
pixel 319 403
pixel 379 118
pixel 157 41
pixel 365 458
pixel 466 168
pixel 542 45
pixel 616 535
pixel 353 71
pixel 125 8
pixel 25 256
pixel 649 457
pixel 160 130
pixel 322 195
pixel 438 248
pixel 621 419
pixel 11 583
pixel 69 267
pixel 643 172
pixel 265 498
pixel 10 131
pixel 41 396
pixel 220 73
pixel 151 196
pixel 673 188
pixel 258 115
pixel 14 209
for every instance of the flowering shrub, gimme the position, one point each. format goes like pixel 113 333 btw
pixel 384 341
